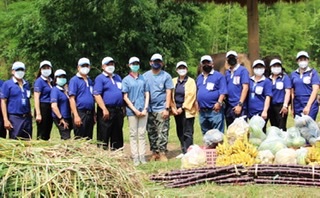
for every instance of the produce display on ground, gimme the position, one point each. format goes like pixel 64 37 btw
pixel 297 175
pixel 73 168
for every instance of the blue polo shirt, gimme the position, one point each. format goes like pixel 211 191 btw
pixel 209 90
pixel 82 92
pixel 18 99
pixel 136 89
pixel 58 96
pixel 278 88
pixel 258 91
pixel 158 84
pixel 302 84
pixel 41 85
pixel 109 89
pixel 235 81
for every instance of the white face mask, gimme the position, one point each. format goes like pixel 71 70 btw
pixel 182 72
pixel 45 72
pixel 19 74
pixel 303 64
pixel 109 69
pixel 84 70
pixel 276 70
pixel 258 71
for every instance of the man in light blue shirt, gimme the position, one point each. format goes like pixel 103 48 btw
pixel 161 85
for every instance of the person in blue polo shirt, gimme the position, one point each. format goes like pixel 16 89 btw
pixel 237 77
pixel 211 91
pixel 281 93
pixel 42 106
pixel 305 84
pixel 3 131
pixel 260 92
pixel 15 104
pixel 82 100
pixel 136 95
pixel 60 105
pixel 160 84
pixel 110 115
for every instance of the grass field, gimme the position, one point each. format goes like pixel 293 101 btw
pixel 208 189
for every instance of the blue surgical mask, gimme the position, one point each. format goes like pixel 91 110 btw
pixel 134 68
pixel 61 81
pixel 156 65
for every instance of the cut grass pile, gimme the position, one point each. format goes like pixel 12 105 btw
pixel 73 168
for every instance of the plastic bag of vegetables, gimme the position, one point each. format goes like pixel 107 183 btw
pixel 273 142
pixel 258 121
pixel 294 140
pixel 195 157
pixel 308 128
pixel 237 129
pixel 265 157
pixel 301 156
pixel 212 138
pixel 286 156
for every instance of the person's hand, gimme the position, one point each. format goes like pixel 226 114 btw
pixel 38 118
pixel 8 125
pixel 144 113
pixel 284 111
pixel 165 114
pixel 306 110
pixel 217 107
pixel 64 124
pixel 174 111
pixel 264 115
pixel 179 111
pixel 105 114
pixel 77 121
pixel 237 110
pixel 137 113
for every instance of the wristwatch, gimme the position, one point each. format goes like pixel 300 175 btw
pixel 240 104
pixel 168 108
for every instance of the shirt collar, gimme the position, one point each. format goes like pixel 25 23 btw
pixel 262 78
pixel 212 71
pixel 107 75
pixel 308 69
pixel 50 79
pixel 61 88
pixel 134 76
pixel 15 80
pixel 79 75
pixel 235 68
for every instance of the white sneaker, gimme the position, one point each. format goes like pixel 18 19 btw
pixel 143 160
pixel 180 156
pixel 136 162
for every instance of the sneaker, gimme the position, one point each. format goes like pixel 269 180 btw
pixel 163 157
pixel 136 162
pixel 180 156
pixel 154 157
pixel 143 160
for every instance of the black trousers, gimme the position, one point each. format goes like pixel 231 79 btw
pixel 86 128
pixel 45 126
pixel 3 131
pixel 109 132
pixel 184 128
pixel 231 116
pixel 276 118
pixel 64 133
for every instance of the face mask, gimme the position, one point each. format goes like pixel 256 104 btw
pixel 207 68
pixel 156 65
pixel 109 69
pixel 61 81
pixel 19 74
pixel 134 68
pixel 258 71
pixel 182 72
pixel 45 72
pixel 303 64
pixel 84 70
pixel 232 61
pixel 276 70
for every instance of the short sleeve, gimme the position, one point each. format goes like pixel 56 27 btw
pixel 54 95
pixel 245 79
pixel 125 85
pixel 315 77
pixel 168 82
pixel 268 87
pixel 287 82
pixel 223 86
pixel 73 88
pixel 38 86
pixel 98 86
pixel 4 90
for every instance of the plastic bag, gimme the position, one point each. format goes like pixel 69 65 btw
pixel 274 129
pixel 273 142
pixel 237 129
pixel 286 156
pixel 258 121
pixel 307 127
pixel 212 138
pixel 256 132
pixel 195 157
pixel 301 156
pixel 294 138
pixel 265 157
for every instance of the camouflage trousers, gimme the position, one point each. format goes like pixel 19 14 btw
pixel 158 132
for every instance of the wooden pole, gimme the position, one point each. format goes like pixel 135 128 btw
pixel 253 29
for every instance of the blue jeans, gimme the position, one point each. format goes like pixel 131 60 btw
pixel 210 119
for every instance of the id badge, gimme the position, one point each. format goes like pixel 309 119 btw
pixel 23 101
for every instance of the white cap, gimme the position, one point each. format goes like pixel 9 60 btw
pixel 18 65
pixel 181 63
pixel 302 53
pixel 106 60
pixel 134 59
pixel 234 53
pixel 156 57
pixel 59 72
pixel 275 61
pixel 45 62
pixel 83 61
pixel 206 57
pixel 257 62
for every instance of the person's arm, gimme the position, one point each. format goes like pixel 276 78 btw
pixel 243 96
pixel 146 103
pixel 7 123
pixel 313 96
pixel 218 104
pixel 56 111
pixel 284 109
pixel 130 105
pixel 37 106
pixel 165 113
pixel 264 113
pixel 73 107
pixel 102 106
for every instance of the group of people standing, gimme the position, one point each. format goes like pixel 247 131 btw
pixel 149 99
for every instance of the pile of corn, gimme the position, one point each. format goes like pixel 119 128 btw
pixel 73 168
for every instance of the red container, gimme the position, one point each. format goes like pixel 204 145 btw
pixel 211 156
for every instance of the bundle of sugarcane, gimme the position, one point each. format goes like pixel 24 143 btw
pixel 73 168
pixel 235 174
pixel 285 174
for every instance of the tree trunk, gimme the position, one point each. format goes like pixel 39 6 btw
pixel 253 29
